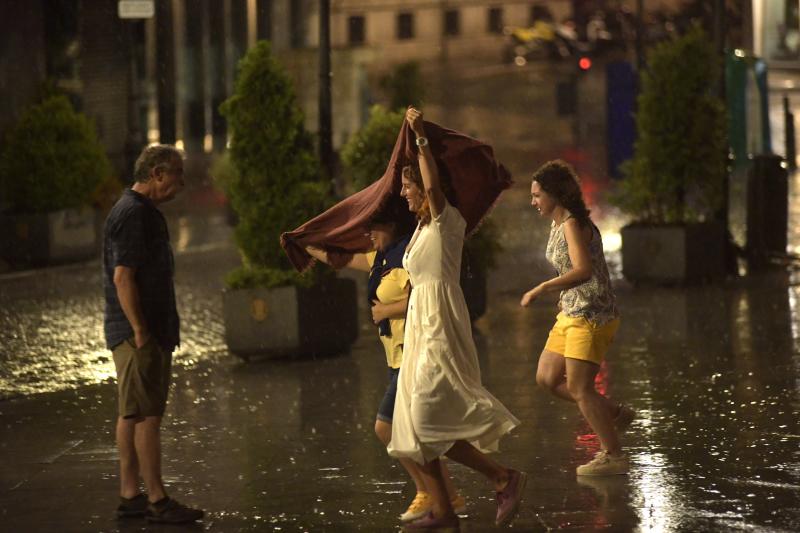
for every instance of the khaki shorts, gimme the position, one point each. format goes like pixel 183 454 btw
pixel 143 376
pixel 577 338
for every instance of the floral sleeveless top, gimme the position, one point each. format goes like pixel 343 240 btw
pixel 593 300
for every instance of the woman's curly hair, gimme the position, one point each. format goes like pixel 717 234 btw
pixel 412 173
pixel 558 179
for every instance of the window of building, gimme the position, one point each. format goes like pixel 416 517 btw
pixel 452 22
pixel 356 27
pixel 540 12
pixel 264 19
pixel 62 28
pixel 297 24
pixel 495 20
pixel 405 26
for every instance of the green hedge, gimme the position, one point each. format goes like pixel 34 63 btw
pixel 277 184
pixel 404 86
pixel 367 152
pixel 51 159
pixel 677 171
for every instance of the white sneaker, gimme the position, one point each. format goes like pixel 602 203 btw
pixel 605 464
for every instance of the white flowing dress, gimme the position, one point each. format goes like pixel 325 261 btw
pixel 440 399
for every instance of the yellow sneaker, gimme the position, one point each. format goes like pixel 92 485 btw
pixel 420 506
pixel 459 504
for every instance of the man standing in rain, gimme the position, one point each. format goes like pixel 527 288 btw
pixel 141 329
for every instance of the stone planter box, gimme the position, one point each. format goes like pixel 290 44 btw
pixel 291 321
pixel 673 254
pixel 48 238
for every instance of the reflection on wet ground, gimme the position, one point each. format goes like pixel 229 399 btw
pixel 714 373
pixel 51 331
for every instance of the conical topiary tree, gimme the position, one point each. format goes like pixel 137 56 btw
pixel 677 171
pixel 404 86
pixel 366 154
pixel 51 159
pixel 277 184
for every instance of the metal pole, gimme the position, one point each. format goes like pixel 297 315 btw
pixel 791 147
pixel 325 104
pixel 720 33
pixel 722 215
pixel 720 30
pixel 134 139
pixel 639 35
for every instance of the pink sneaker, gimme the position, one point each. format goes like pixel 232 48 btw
pixel 445 523
pixel 509 498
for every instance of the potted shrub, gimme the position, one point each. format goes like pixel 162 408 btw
pixel 404 85
pixel 269 309
pixel 367 152
pixel 222 173
pixel 673 184
pixel 51 165
pixel 365 157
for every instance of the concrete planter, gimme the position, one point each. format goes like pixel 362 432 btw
pixel 291 321
pixel 48 238
pixel 673 254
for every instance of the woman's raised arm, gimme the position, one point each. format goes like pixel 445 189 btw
pixel 427 165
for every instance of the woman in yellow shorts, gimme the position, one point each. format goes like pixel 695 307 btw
pixel 387 291
pixel 588 319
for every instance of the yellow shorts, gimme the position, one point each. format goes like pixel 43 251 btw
pixel 578 338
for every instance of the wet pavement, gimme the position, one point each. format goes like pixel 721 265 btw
pixel 288 445
pixel 51 338
pixel 714 373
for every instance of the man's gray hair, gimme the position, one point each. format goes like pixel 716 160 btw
pixel 152 157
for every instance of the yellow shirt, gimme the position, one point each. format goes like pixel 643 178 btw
pixel 392 289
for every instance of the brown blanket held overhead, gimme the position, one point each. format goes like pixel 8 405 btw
pixel 476 179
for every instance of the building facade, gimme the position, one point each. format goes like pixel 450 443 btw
pixel 776 32
pixel 433 29
pixel 162 79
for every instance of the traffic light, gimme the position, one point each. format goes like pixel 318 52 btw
pixel 584 63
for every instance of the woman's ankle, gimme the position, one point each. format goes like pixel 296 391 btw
pixel 502 480
pixel 442 511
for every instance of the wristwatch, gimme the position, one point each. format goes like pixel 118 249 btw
pixel 422 141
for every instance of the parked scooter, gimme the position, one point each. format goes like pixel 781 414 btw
pixel 544 41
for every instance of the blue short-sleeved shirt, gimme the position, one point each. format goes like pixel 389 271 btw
pixel 136 236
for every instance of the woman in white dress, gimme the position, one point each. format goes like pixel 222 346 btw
pixel 441 408
pixel 387 291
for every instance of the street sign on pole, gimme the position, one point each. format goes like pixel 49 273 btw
pixel 136 9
